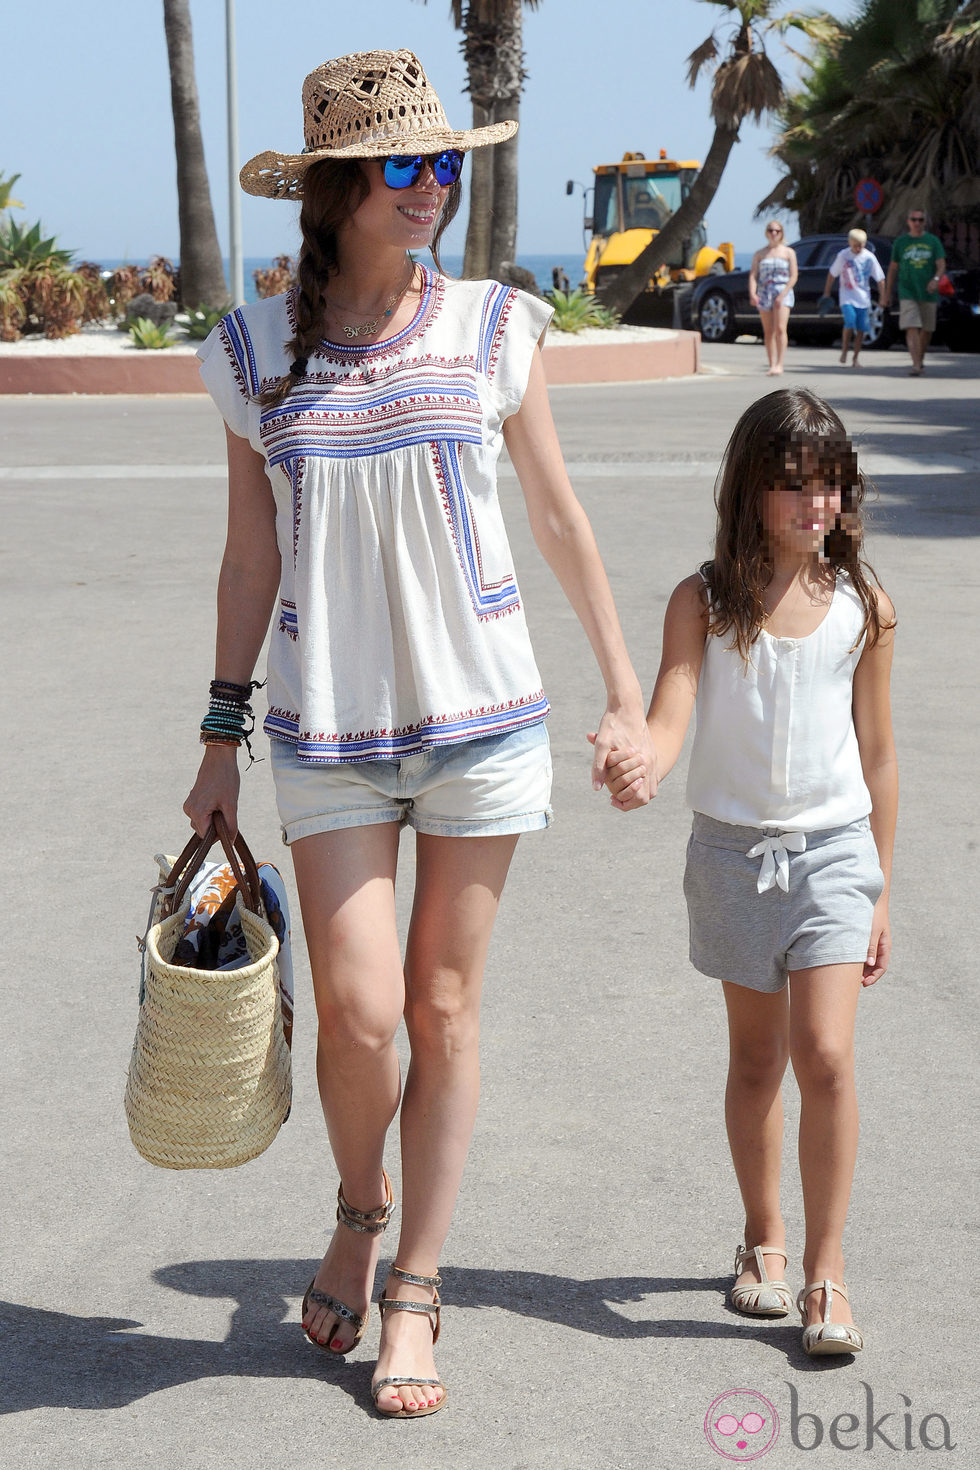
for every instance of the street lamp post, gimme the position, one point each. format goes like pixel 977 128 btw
pixel 235 262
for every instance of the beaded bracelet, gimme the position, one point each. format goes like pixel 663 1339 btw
pixel 230 719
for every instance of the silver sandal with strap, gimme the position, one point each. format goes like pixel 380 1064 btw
pixel 762 1298
pixel 364 1222
pixel 390 1304
pixel 822 1338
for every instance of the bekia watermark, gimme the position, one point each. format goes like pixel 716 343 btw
pixel 896 1429
pixel 742 1425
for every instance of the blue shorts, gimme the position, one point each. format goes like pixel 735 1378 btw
pixel 855 317
pixel 475 788
pixel 753 938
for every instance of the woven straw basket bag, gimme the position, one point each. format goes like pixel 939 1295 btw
pixel 209 1079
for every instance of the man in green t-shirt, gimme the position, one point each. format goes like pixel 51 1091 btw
pixel 918 260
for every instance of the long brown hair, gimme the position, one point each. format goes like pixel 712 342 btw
pixel 332 191
pixel 769 450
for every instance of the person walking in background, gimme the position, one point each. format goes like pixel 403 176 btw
pixel 365 411
pixel 783 641
pixel 918 261
pixel 772 276
pixel 856 267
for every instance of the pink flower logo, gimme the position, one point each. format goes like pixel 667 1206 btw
pixel 741 1424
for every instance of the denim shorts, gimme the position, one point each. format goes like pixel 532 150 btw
pixel 855 317
pixel 475 788
pixel 753 938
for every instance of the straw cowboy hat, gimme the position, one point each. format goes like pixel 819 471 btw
pixel 368 105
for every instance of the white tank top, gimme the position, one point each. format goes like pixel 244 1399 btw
pixel 775 744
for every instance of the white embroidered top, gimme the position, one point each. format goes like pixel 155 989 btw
pixel 400 622
pixel 775 744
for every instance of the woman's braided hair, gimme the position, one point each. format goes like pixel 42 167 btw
pixel 332 191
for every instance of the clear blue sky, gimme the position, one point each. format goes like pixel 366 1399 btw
pixel 85 109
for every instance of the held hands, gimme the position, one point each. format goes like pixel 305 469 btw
pixel 879 946
pixel 626 766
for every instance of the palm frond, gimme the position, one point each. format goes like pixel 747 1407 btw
pixel 701 56
pixel 745 86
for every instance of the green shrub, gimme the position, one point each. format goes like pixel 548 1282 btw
pixel 26 249
pixel 147 334
pixel 202 320
pixel 579 310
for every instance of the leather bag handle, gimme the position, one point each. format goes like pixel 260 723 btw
pixel 191 859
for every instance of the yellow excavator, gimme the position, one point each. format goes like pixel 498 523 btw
pixel 631 202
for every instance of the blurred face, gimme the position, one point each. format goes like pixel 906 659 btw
pixel 857 246
pixel 917 222
pixel 404 219
pixel 774 234
pixel 797 518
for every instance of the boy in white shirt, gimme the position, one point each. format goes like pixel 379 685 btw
pixel 857 267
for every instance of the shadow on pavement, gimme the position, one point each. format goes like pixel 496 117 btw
pixel 55 1360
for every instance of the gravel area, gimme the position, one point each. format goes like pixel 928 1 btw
pixel 91 341
pixel 108 341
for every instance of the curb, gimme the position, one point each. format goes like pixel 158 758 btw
pixel 672 357
pixel 676 356
pixel 94 374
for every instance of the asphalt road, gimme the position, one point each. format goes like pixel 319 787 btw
pixel 150 1318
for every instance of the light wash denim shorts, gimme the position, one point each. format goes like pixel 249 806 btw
pixel 476 788
pixel 754 938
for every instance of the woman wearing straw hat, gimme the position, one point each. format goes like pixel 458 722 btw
pixel 365 412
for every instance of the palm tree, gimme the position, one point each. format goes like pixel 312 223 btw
pixel 493 49
pixel 896 98
pixel 202 276
pixel 746 84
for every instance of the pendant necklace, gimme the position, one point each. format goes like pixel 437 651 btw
pixel 368 329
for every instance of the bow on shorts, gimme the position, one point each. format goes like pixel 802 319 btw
pixel 775 851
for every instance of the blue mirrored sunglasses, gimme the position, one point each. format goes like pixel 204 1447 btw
pixel 402 170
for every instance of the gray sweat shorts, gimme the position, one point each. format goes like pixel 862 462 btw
pixel 753 938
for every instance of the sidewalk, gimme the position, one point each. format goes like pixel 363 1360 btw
pixel 150 1318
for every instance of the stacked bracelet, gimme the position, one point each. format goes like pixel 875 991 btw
pixel 230 719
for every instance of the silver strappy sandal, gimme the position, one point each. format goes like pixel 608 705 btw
pixel 364 1222
pixel 762 1298
pixel 389 1304
pixel 822 1338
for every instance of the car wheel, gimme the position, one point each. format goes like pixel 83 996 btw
pixel 881 331
pixel 716 320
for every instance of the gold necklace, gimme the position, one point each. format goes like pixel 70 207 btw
pixel 368 329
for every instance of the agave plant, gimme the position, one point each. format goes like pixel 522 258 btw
pixel 27 249
pixel 148 335
pixel 579 310
pixel 202 320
